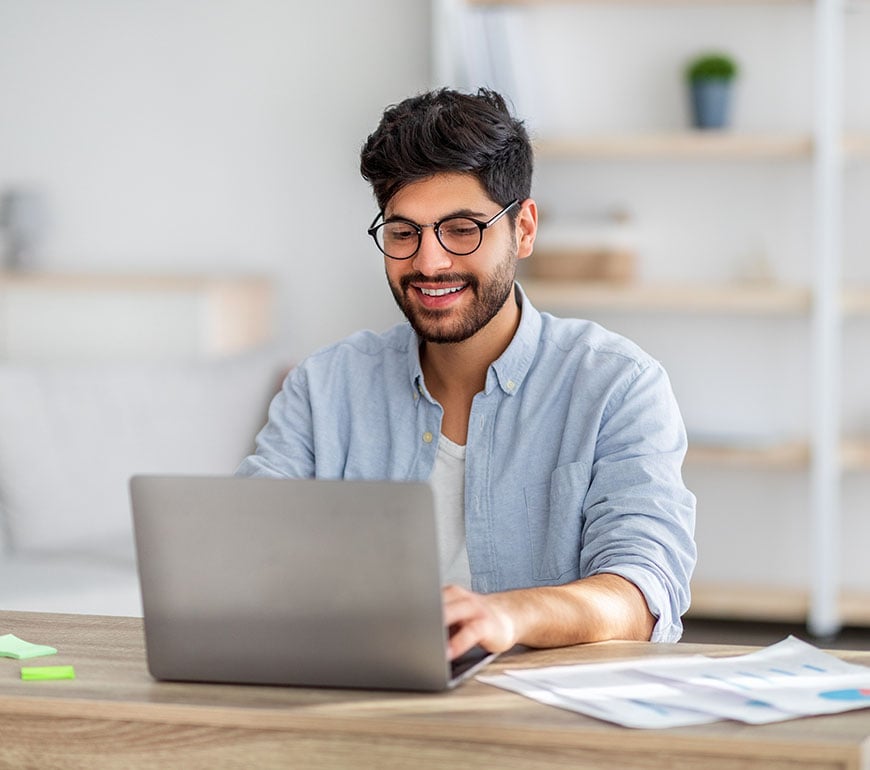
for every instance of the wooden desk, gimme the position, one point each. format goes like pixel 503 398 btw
pixel 114 715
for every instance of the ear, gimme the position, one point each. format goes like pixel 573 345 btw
pixel 526 228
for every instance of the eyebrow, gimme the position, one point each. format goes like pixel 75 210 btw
pixel 457 213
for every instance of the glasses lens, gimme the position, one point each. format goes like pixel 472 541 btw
pixel 397 239
pixel 460 235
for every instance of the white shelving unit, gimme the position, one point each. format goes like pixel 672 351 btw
pixel 822 304
pixel 823 614
pixel 90 316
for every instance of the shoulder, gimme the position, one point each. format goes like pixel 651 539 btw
pixel 589 342
pixel 361 351
pixel 608 373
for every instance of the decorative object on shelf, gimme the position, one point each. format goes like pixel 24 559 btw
pixel 22 223
pixel 595 247
pixel 710 78
pixel 756 269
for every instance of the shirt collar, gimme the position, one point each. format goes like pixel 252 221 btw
pixel 511 367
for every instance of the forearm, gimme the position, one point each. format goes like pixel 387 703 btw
pixel 594 609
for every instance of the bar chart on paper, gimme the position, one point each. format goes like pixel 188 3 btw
pixel 787 680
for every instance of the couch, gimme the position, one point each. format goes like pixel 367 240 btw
pixel 71 435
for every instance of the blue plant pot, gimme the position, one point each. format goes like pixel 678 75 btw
pixel 711 101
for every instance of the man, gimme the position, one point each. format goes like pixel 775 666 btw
pixel 554 447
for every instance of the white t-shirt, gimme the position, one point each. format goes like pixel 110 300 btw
pixel 448 484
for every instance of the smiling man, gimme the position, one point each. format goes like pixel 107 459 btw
pixel 554 447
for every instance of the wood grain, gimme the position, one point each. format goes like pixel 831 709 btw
pixel 115 715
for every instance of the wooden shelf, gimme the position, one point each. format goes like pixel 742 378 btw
pixel 857 146
pixel 693 145
pixel 711 145
pixel 790 455
pixel 855 454
pixel 643 298
pixel 856 301
pixel 770 603
pixel 682 299
pixel 59 316
pixel 533 3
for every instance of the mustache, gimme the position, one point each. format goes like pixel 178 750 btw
pixel 417 277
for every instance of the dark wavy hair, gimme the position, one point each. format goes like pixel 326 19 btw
pixel 449 131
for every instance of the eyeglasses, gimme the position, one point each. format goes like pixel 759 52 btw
pixel 401 238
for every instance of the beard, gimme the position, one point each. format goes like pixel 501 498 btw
pixel 452 325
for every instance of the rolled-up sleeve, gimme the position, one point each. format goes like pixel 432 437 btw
pixel 639 517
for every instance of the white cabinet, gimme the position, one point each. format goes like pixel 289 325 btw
pixel 767 363
pixel 53 317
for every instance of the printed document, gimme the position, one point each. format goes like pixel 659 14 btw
pixel 787 680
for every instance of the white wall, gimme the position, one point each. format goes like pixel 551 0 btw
pixel 223 135
pixel 211 135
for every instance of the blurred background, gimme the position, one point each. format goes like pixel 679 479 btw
pixel 210 137
pixel 179 191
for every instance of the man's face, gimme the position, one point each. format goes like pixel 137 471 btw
pixel 449 298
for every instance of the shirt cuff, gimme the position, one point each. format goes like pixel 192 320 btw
pixel 669 625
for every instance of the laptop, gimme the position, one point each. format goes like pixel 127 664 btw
pixel 293 582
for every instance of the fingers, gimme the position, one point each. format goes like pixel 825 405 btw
pixel 462 639
pixel 462 618
pixel 475 619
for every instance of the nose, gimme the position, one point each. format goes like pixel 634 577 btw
pixel 431 257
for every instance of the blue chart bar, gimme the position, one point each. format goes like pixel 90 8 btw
pixel 852 694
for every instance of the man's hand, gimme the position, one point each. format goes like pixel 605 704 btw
pixel 474 619
pixel 593 609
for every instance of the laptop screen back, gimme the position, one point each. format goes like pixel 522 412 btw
pixel 279 581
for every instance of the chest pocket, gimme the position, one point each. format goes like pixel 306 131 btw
pixel 554 512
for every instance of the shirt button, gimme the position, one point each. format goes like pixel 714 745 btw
pixel 427 437
pixel 511 384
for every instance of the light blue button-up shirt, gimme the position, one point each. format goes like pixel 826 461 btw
pixel 573 457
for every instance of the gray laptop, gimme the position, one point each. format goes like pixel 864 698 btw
pixel 292 582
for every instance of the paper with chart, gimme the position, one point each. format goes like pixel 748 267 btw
pixel 785 681
pixel 792 675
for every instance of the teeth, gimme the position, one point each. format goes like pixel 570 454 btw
pixel 440 292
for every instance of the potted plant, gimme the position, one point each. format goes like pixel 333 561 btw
pixel 710 76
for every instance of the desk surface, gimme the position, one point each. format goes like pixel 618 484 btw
pixel 115 715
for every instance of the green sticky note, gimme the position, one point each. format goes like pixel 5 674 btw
pixel 44 673
pixel 13 647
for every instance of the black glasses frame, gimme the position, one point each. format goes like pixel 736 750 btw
pixel 436 226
